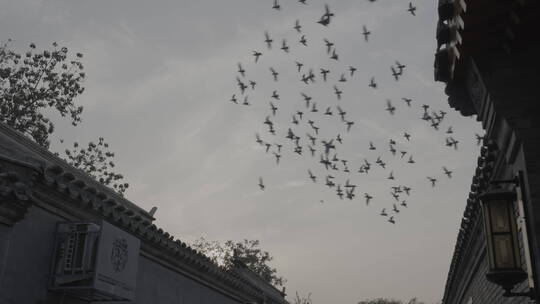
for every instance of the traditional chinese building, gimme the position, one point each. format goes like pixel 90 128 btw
pixel 65 238
pixel 488 54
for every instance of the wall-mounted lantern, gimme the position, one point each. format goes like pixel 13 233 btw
pixel 502 240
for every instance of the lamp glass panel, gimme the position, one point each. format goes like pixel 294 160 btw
pixel 499 217
pixel 504 251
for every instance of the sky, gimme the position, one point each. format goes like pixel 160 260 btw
pixel 160 76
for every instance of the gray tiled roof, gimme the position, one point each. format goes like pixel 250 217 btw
pixel 81 191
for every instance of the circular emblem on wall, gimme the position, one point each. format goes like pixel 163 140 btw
pixel 119 254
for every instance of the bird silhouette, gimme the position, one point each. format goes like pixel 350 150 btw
pixel 407 101
pixel 268 40
pixel 372 83
pixel 273 108
pixel 447 172
pixel 275 95
pixel 284 46
pixel 312 177
pixel 261 184
pixel 394 73
pixel 324 73
pixel 241 70
pixel 257 54
pixel 407 136
pixel 368 198
pixel 334 55
pixel 389 107
pixel 276 5
pixel 337 92
pixel 366 33
pixel 411 9
pixel 328 111
pixel 325 161
pixel 303 40
pixel 297 26
pixel 274 73
pixel 299 65
pixel 329 45
pixel 349 125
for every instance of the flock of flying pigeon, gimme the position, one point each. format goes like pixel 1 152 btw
pixel 323 151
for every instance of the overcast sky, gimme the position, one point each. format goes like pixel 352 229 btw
pixel 160 76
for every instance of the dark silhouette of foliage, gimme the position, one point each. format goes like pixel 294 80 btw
pixel 33 84
pixel 97 161
pixel 247 252
pixel 36 82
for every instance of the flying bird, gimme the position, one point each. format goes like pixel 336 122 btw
pixel 368 198
pixel 268 40
pixel 274 73
pixel 303 40
pixel 299 65
pixel 258 139
pixel 389 107
pixel 400 67
pixel 341 113
pixel 257 55
pixel 365 32
pixel 334 55
pixel 284 46
pixel 337 92
pixel 297 26
pixel 372 83
pixel 252 83
pixel 276 5
pixel 241 70
pixel 432 180
pixel 328 111
pixel 411 9
pixel 407 101
pixel 352 70
pixel 394 73
pixel 312 177
pixel 273 108
pixel 324 73
pixel 447 172
pixel 328 45
pixel 407 136
pixel 349 125
pixel 278 156
pixel 261 184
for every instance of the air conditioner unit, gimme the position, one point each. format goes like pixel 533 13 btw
pixel 95 261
